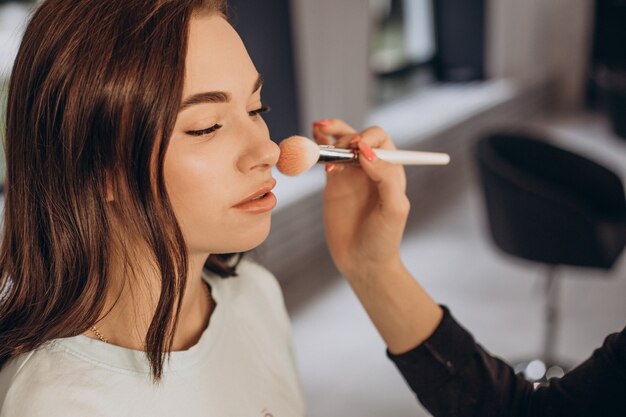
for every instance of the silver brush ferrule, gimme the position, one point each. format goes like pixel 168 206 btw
pixel 338 155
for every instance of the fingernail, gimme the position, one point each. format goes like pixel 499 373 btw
pixel 367 152
pixel 324 122
pixel 356 139
pixel 329 168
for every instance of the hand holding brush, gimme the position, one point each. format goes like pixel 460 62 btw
pixel 365 213
pixel 298 154
pixel 365 205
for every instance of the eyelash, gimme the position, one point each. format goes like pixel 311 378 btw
pixel 253 113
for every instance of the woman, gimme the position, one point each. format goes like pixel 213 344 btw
pixel 138 164
pixel 135 145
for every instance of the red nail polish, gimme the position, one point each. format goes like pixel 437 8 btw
pixel 329 168
pixel 367 152
pixel 324 122
pixel 356 139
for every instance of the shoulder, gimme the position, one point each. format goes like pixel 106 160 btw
pixel 255 275
pixel 39 383
pixel 254 293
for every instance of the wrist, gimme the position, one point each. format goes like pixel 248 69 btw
pixel 404 314
pixel 373 270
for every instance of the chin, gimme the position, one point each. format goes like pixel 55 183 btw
pixel 255 240
pixel 245 239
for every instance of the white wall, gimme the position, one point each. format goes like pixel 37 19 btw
pixel 531 38
pixel 331 41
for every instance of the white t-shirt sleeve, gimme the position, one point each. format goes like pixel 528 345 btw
pixel 33 393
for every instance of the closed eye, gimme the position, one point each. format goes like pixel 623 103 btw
pixel 208 130
pixel 203 132
pixel 262 109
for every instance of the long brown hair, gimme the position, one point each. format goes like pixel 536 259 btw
pixel 92 101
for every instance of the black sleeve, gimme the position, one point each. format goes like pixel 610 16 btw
pixel 453 376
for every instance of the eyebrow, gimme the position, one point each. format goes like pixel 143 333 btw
pixel 215 96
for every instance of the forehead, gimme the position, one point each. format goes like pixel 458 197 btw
pixel 216 59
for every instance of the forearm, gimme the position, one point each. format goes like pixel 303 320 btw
pixel 454 376
pixel 403 313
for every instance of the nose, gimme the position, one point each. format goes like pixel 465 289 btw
pixel 261 153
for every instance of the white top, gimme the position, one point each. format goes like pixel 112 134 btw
pixel 243 365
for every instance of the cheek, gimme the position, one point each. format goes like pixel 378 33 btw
pixel 202 190
pixel 198 189
pixel 191 176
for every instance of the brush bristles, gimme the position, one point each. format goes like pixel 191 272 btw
pixel 297 155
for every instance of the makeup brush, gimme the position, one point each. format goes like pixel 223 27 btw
pixel 298 154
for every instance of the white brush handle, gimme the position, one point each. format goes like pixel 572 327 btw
pixel 413 157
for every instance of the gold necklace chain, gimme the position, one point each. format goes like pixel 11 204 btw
pixel 98 334
pixel 105 340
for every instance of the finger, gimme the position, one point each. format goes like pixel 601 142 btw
pixel 334 168
pixel 336 128
pixel 390 181
pixel 375 137
pixel 319 137
pixel 353 142
pixel 349 141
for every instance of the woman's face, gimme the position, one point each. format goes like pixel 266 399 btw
pixel 220 153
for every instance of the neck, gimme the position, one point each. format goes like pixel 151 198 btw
pixel 132 307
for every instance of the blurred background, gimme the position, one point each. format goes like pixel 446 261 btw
pixel 446 75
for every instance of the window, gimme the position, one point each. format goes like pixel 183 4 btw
pixel 402 47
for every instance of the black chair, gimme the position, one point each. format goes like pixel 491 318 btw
pixel 551 206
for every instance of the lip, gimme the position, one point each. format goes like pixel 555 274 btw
pixel 264 204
